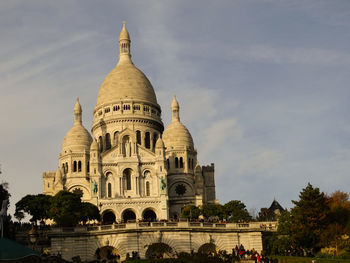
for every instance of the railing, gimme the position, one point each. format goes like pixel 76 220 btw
pixel 254 226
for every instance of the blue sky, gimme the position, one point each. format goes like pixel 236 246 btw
pixel 263 86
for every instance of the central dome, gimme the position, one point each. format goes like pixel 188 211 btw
pixel 125 81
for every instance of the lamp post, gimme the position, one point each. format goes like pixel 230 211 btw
pixel 33 237
pixel 100 206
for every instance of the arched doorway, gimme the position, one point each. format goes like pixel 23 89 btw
pixel 149 215
pixel 107 253
pixel 108 217
pixel 157 250
pixel 207 248
pixel 128 215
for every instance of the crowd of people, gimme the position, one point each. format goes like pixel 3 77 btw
pixel 241 253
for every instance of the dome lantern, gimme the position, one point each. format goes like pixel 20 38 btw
pixel 124 45
pixel 175 110
pixel 77 112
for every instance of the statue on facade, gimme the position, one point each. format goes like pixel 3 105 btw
pixel 94 187
pixel 162 184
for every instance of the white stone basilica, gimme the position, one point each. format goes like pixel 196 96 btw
pixel 129 168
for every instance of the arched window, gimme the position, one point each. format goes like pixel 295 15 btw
pixel 109 192
pixel 176 162
pixel 168 163
pixel 189 163
pixel 148 191
pixel 147 140
pixel 66 167
pixel 100 143
pixel 79 166
pixel 181 163
pixel 127 178
pixel 108 141
pixel 115 138
pixel 138 137
pixel 74 166
pixel 155 138
pixel 88 167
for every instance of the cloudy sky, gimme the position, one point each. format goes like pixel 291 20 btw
pixel 263 86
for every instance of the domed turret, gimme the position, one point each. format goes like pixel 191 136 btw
pixel 94 146
pixel 160 143
pixel 177 135
pixel 77 138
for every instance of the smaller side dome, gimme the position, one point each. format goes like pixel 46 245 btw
pixel 77 138
pixel 160 143
pixel 177 135
pixel 94 145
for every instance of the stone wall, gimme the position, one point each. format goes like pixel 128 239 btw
pixel 180 236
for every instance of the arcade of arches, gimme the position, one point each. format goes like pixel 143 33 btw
pixel 109 217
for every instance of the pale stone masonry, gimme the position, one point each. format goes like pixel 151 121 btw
pixel 133 171
pixel 129 167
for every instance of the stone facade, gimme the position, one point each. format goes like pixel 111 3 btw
pixel 128 167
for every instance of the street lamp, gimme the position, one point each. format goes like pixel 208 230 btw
pixel 33 236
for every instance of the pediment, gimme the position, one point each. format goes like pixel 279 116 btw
pixel 110 154
pixel 145 153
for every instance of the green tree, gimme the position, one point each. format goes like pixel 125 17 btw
pixel 281 241
pixel 339 217
pixel 35 205
pixel 236 211
pixel 19 215
pixel 4 194
pixel 310 216
pixel 89 212
pixel 66 208
pixel 190 211
pixel 213 210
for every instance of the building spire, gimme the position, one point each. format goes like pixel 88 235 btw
pixel 175 110
pixel 77 112
pixel 124 45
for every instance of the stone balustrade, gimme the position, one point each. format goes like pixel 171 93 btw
pixel 252 226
